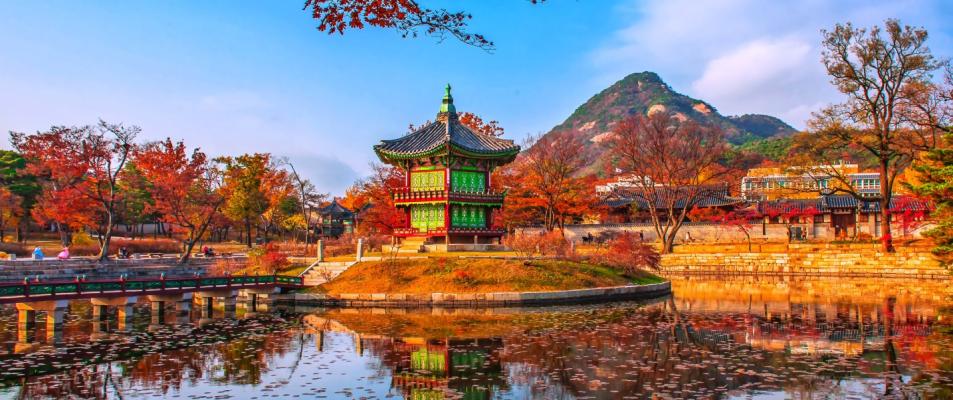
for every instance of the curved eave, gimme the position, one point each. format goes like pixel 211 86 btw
pixel 391 156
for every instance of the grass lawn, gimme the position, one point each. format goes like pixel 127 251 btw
pixel 469 275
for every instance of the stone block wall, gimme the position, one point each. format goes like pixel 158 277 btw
pixel 694 232
pixel 912 263
pixel 68 269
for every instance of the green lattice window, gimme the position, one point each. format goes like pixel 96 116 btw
pixel 426 180
pixel 432 361
pixel 468 216
pixel 426 216
pixel 467 181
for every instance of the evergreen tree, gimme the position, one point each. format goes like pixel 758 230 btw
pixel 936 176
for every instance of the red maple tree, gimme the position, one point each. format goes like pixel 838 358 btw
pixel 738 219
pixel 371 200
pixel 184 187
pixel 81 168
pixel 545 183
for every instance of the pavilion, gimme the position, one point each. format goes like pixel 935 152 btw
pixel 447 197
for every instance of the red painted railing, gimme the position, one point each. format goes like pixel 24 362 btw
pixel 404 232
pixel 406 195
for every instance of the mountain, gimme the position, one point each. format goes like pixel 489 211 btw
pixel 762 126
pixel 645 92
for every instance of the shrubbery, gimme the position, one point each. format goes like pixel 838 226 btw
pixel 628 253
pixel 547 244
pixel 267 259
pixel 624 251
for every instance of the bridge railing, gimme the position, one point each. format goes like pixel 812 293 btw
pixel 39 290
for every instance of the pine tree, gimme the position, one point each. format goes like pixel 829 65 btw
pixel 936 176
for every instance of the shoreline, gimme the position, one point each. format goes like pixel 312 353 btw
pixel 480 300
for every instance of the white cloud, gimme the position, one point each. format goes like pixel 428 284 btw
pixel 772 76
pixel 747 56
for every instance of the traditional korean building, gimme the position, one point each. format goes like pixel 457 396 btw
pixel 335 220
pixel 447 196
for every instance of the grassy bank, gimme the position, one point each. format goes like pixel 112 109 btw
pixel 466 275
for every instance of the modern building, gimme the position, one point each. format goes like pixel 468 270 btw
pixel 771 183
pixel 447 196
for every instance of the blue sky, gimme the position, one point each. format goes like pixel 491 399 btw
pixel 243 76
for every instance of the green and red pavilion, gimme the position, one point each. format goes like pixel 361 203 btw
pixel 446 196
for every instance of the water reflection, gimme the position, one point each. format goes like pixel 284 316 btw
pixel 716 338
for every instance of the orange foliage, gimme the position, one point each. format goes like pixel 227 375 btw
pixel 184 188
pixel 371 199
pixel 545 185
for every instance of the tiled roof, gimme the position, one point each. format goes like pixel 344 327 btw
pixel 840 201
pixel 788 205
pixel 715 196
pixel 438 135
pixel 335 209
pixel 826 203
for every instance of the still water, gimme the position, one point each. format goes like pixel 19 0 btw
pixel 739 337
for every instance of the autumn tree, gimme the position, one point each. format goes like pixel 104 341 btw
pixel 675 164
pixel 84 163
pixel 406 16
pixel 790 213
pixel 135 207
pixel 881 71
pixel 11 210
pixel 20 184
pixel 308 199
pixel 371 200
pixel 279 190
pixel 549 179
pixel 489 128
pixel 243 179
pixel 184 186
pixel 734 219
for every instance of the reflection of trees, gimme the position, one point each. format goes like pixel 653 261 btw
pixel 229 353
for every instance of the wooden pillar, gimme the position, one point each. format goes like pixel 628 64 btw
pixel 158 312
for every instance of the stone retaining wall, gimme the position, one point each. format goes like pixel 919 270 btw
pixel 855 263
pixel 706 232
pixel 112 269
pixel 482 299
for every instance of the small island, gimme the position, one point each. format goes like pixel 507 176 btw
pixel 476 275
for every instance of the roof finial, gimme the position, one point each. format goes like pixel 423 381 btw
pixel 447 105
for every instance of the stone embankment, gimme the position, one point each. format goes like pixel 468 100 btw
pixel 112 269
pixel 807 260
pixel 482 299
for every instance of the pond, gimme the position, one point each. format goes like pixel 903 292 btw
pixel 730 337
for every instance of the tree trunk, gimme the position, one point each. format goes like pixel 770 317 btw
pixel 668 242
pixel 104 250
pixel 248 232
pixel 886 240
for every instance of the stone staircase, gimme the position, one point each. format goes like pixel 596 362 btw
pixel 324 271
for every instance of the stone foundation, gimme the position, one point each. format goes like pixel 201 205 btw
pixel 482 299
pixel 847 262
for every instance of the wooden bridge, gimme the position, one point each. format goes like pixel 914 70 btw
pixel 28 291
pixel 53 297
